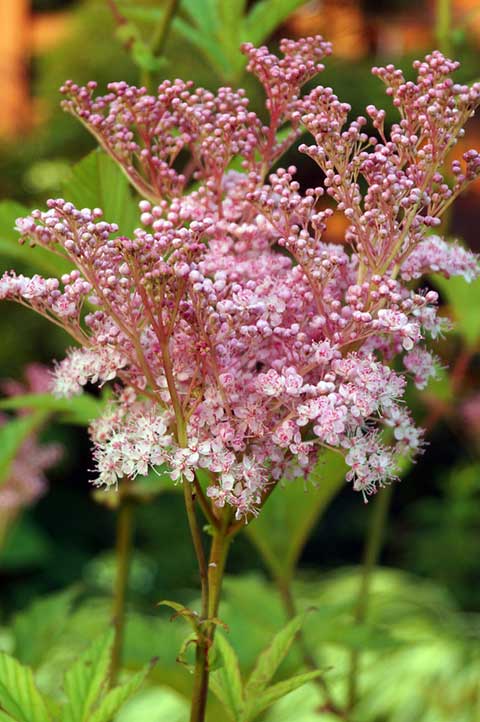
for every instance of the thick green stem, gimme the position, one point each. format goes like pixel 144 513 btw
pixel 443 26
pixel 216 568
pixel 370 558
pixel 124 536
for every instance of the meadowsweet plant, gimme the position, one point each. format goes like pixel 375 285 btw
pixel 240 343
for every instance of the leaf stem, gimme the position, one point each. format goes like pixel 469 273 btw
pixel 370 558
pixel 124 535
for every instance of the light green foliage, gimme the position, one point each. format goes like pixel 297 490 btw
pixel 464 302
pixel 84 681
pixel 39 627
pixel 20 699
pixel 88 698
pixel 430 648
pixel 157 704
pixel 12 435
pixel 79 410
pixel 216 28
pixel 244 702
pixel 289 515
pixel 98 182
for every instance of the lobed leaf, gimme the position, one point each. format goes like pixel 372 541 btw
pixel 19 696
pixel 112 701
pixel 275 692
pixel 226 682
pixel 270 659
pixel 86 680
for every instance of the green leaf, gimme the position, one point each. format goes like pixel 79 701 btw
pixel 39 259
pixel 265 16
pixel 19 697
pixel 270 659
pixel 207 44
pixel 281 530
pixel 12 435
pixel 226 682
pixel 97 181
pixel 464 301
pixel 85 681
pixel 276 692
pixel 79 410
pixel 156 704
pixel 6 717
pixel 203 13
pixel 36 629
pixel 113 701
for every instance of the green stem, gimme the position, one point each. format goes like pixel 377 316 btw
pixel 370 558
pixel 443 26
pixel 160 35
pixel 124 534
pixel 216 567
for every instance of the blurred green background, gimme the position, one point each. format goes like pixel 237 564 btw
pixel 428 592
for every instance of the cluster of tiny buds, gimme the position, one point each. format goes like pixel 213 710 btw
pixel 226 316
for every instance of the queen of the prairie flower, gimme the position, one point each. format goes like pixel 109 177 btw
pixel 242 344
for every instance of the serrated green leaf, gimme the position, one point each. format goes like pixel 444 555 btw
pixel 113 701
pixel 276 692
pixel 86 680
pixel 291 512
pixel 226 682
pixel 265 16
pixel 36 628
pixel 270 659
pixel 77 410
pixel 39 259
pixel 19 697
pixel 98 182
pixel 13 434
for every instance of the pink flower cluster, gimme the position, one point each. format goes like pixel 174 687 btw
pixel 242 342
